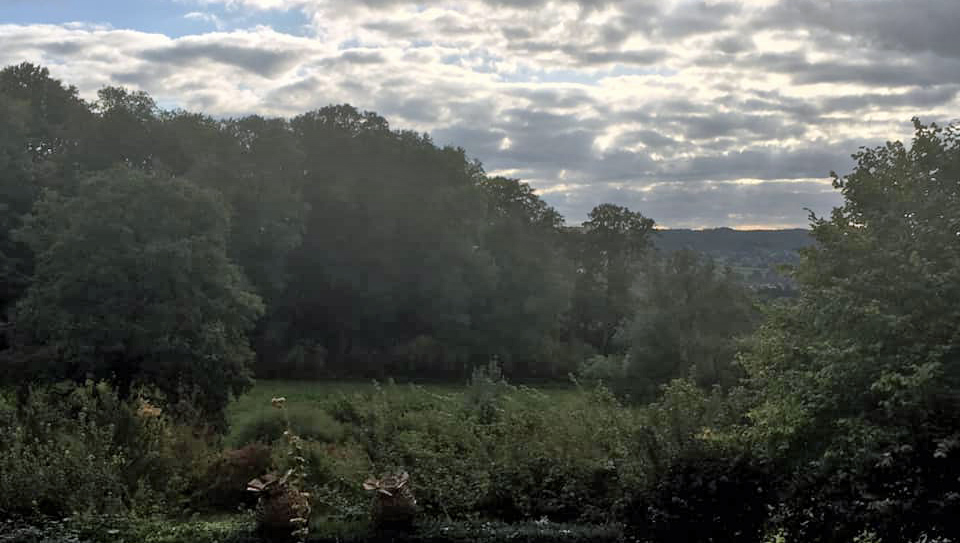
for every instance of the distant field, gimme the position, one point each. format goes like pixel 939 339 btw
pixel 307 392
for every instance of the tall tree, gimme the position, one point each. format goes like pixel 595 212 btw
pixel 533 277
pixel 609 249
pixel 133 284
pixel 859 380
pixel 391 249
pixel 17 193
pixel 58 123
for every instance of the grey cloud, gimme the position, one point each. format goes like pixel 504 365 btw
pixel 481 142
pixel 260 61
pixel 916 98
pixel 418 109
pixel 734 44
pixel 902 25
pixel 916 71
pixel 536 147
pixel 813 161
pixel 146 78
pixel 637 57
pixel 586 55
pixel 354 57
pixel 395 29
pixel 516 32
pixel 698 18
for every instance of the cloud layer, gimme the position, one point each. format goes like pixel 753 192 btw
pixel 697 113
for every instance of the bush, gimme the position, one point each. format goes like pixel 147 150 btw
pixel 508 453
pixel 79 449
pixel 335 473
pixel 707 495
pixel 569 461
pixel 225 485
pixel 906 492
pixel 308 421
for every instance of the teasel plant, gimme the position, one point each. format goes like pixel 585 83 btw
pixel 282 503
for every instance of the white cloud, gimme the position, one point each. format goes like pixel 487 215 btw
pixel 211 18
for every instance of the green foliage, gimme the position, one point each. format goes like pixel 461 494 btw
pixel 309 422
pixel 689 318
pixel 534 279
pixel 524 456
pixel 485 391
pixel 16 198
pixel 98 529
pixel 375 251
pixel 133 285
pixel 609 371
pixel 608 249
pixel 334 474
pixel 857 382
pixel 81 449
pixel 225 483
pixel 706 495
pixel 240 529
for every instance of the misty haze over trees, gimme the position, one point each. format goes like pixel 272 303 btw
pixel 697 386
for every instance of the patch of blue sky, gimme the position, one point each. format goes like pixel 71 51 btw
pixel 161 16
pixel 156 16
pixel 292 22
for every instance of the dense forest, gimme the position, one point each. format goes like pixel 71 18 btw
pixel 153 262
pixel 338 246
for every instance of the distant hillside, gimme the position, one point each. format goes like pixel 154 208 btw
pixel 752 254
pixel 728 241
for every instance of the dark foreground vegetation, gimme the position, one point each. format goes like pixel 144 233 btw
pixel 152 262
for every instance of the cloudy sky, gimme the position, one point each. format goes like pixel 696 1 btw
pixel 698 113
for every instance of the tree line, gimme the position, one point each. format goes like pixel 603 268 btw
pixel 167 247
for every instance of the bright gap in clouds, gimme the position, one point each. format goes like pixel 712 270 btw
pixel 697 113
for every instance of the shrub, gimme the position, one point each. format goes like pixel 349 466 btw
pixel 515 454
pixel 334 476
pixel 79 449
pixel 308 421
pixel 707 495
pixel 907 492
pixel 226 482
pixel 567 461
pixel 448 461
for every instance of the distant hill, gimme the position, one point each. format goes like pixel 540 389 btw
pixel 753 254
pixel 728 240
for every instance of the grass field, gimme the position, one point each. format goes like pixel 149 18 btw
pixel 257 400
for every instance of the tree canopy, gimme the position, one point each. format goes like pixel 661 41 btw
pixel 374 251
pixel 133 285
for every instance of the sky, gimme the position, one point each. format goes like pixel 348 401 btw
pixel 697 113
